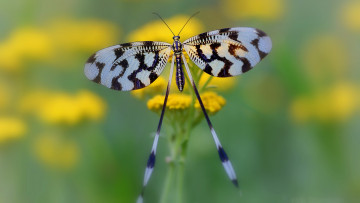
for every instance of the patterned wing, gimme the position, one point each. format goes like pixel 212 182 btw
pixel 228 52
pixel 128 66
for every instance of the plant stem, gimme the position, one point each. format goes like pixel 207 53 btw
pixel 175 173
pixel 168 181
pixel 180 180
pixel 181 164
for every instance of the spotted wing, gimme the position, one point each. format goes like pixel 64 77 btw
pixel 128 66
pixel 228 52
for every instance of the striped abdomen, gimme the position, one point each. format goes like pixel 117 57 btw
pixel 180 79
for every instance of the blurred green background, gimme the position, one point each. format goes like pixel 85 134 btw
pixel 290 126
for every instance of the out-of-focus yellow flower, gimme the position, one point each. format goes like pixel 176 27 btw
pixel 24 43
pixel 325 58
pixel 58 39
pixel 86 35
pixel 156 103
pixel 61 108
pixel 157 30
pixel 261 9
pixel 336 104
pixel 178 101
pixel 64 108
pixel 157 87
pixel 92 105
pixel 221 84
pixel 212 102
pixel 31 102
pixel 56 152
pixel 69 109
pixel 175 102
pixel 11 129
pixel 351 15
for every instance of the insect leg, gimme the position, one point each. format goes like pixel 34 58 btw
pixel 222 154
pixel 151 161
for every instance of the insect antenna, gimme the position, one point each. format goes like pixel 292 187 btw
pixel 222 154
pixel 164 22
pixel 188 21
pixel 151 161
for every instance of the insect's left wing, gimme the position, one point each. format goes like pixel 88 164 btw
pixel 229 51
pixel 128 66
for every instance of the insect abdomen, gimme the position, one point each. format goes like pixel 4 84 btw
pixel 180 79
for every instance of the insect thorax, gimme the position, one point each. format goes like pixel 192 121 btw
pixel 177 45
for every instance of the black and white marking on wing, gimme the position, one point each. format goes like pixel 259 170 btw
pixel 128 66
pixel 229 51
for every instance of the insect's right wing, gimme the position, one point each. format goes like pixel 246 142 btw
pixel 128 66
pixel 228 52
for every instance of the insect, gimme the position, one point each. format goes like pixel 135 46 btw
pixel 222 53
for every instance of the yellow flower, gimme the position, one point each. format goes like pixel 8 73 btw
pixel 61 108
pixel 64 108
pixel 11 129
pixel 336 104
pixel 156 103
pixel 221 84
pixel 325 57
pixel 92 105
pixel 344 100
pixel 175 102
pixel 351 15
pixel 212 102
pixel 24 43
pixel 58 39
pixel 157 30
pixel 262 9
pixel 85 35
pixel 56 151
pixel 31 102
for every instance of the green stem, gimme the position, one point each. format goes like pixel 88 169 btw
pixel 168 181
pixel 175 173
pixel 179 160
pixel 180 175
